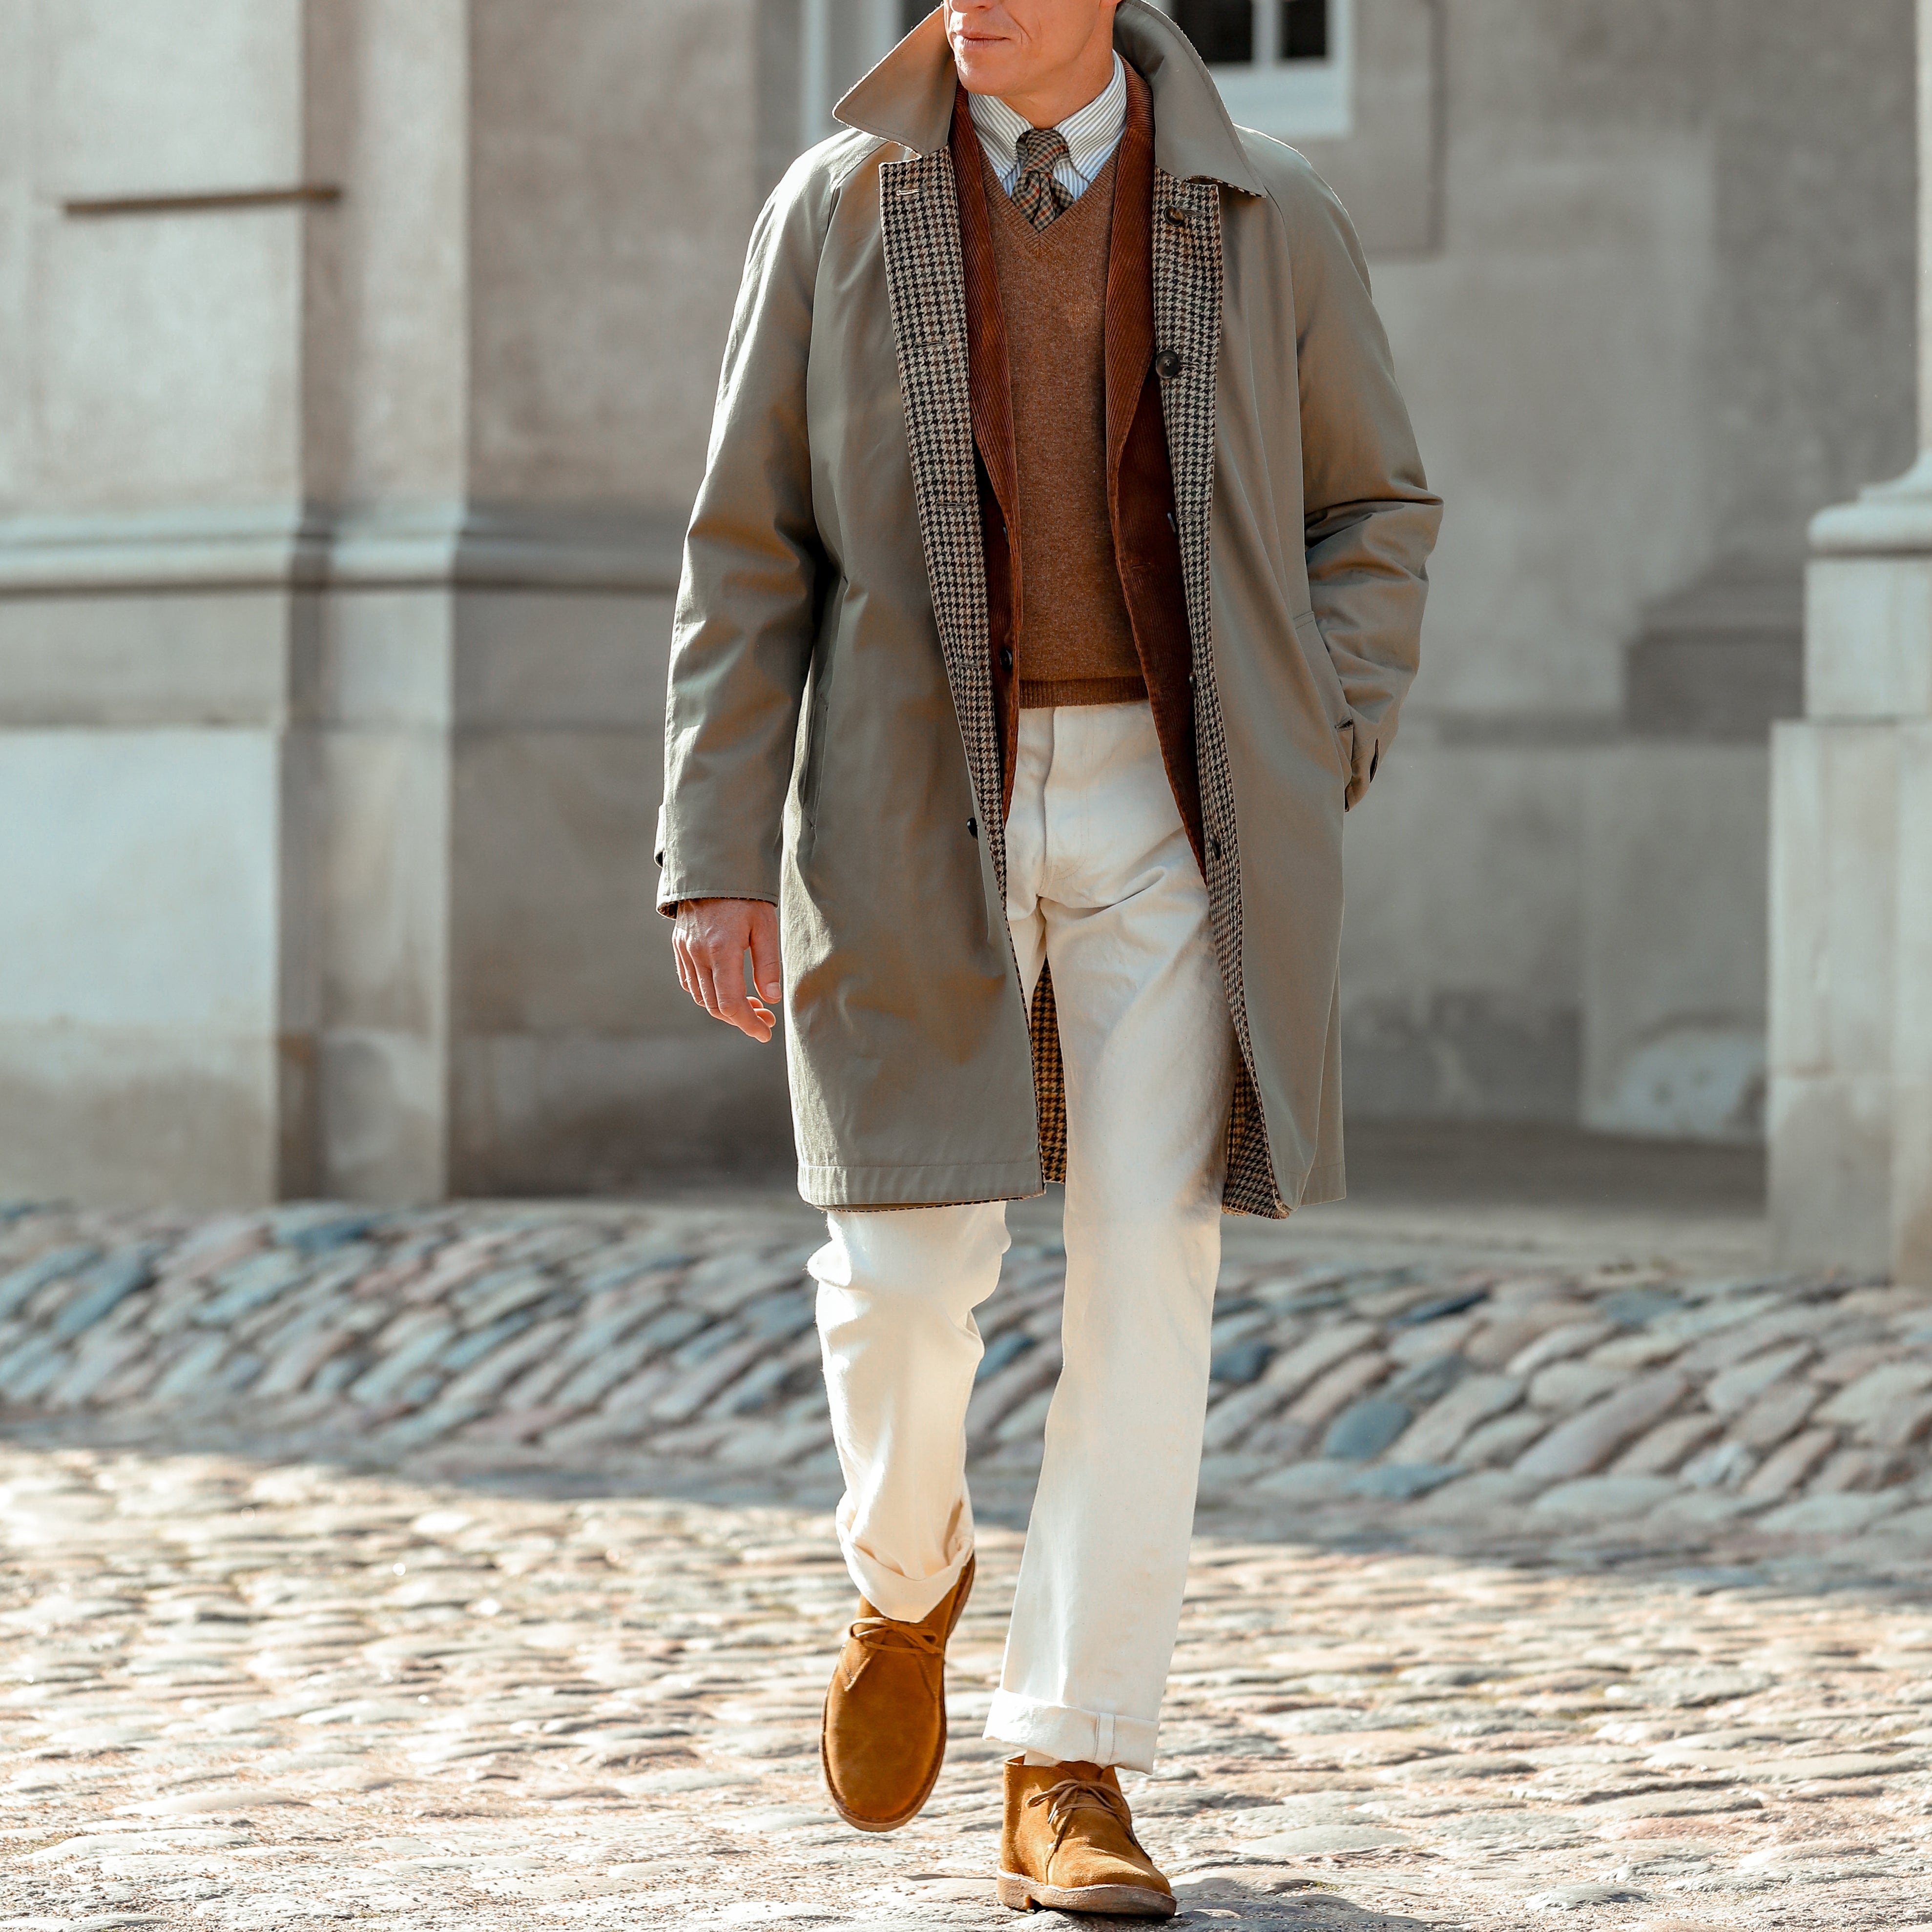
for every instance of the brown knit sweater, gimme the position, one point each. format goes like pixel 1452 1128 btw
pixel 1076 644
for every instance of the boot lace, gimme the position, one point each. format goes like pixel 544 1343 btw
pixel 1072 1795
pixel 874 1634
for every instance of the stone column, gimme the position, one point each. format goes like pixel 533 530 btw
pixel 1851 1048
pixel 360 355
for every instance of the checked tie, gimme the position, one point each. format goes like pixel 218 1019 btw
pixel 1036 194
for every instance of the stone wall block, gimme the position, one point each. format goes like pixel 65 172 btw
pixel 1868 638
pixel 1912 1022
pixel 1833 899
pixel 1674 952
pixel 1387 170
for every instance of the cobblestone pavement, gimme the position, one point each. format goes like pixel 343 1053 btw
pixel 473 1566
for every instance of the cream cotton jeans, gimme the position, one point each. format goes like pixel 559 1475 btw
pixel 1100 885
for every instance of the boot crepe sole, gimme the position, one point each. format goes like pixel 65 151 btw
pixel 1123 1901
pixel 858 1822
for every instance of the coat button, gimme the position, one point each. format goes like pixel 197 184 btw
pixel 1214 848
pixel 1178 216
pixel 1005 658
pixel 972 828
pixel 1168 362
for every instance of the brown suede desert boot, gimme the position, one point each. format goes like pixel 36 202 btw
pixel 1069 1844
pixel 884 1737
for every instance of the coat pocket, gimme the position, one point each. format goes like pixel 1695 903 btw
pixel 1340 719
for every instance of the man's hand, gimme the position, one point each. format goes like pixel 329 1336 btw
pixel 710 938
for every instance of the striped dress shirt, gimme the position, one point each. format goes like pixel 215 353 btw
pixel 1091 135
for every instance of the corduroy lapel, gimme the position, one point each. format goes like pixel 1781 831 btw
pixel 1130 275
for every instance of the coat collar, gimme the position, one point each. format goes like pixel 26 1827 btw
pixel 908 98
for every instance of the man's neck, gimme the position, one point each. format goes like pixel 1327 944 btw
pixel 1070 89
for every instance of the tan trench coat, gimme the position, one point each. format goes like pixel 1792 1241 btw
pixel 832 744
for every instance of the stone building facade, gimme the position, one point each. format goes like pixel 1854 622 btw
pixel 355 367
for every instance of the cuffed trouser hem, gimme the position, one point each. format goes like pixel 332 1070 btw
pixel 906 1600
pixel 1019 1724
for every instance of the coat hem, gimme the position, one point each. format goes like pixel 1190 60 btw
pixel 1325 1183
pixel 945 1184
pixel 1322 1184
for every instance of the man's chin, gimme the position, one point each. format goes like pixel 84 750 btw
pixel 985 73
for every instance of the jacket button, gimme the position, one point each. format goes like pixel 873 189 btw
pixel 1168 362
pixel 972 828
pixel 1178 216
pixel 1005 658
pixel 1214 848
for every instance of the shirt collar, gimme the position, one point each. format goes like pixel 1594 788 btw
pixel 1092 133
pixel 908 99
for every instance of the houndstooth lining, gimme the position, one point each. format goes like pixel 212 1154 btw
pixel 1049 1079
pixel 1187 325
pixel 925 280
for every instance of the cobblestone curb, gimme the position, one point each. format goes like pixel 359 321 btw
pixel 1636 1403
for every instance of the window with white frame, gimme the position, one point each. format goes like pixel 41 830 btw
pixel 1286 67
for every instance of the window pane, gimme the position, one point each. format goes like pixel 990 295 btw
pixel 1304 30
pixel 1222 31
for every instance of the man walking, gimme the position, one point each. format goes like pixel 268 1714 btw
pixel 1056 579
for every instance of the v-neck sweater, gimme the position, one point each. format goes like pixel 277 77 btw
pixel 1076 642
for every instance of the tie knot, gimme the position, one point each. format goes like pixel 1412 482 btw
pixel 1036 194
pixel 1042 151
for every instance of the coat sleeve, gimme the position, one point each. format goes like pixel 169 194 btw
pixel 742 634
pixel 1372 521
